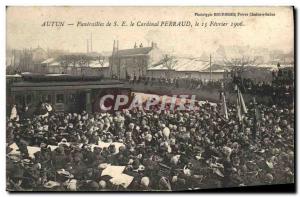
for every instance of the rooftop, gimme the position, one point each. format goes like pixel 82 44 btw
pixel 189 64
pixel 65 85
pixel 134 51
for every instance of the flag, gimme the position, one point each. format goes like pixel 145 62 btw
pixel 238 108
pixel 257 115
pixel 224 106
pixel 240 104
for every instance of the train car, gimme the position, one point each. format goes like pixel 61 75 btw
pixel 64 93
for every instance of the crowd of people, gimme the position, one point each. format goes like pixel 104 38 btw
pixel 280 89
pixel 163 150
pixel 176 82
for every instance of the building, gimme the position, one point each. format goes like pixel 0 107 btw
pixel 25 60
pixel 182 67
pixel 135 61
pixel 74 65
pixel 38 55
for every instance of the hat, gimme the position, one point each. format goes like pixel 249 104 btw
pixel 27 162
pixel 172 141
pixel 166 132
pixel 65 173
pixel 14 158
pixel 270 164
pixel 164 184
pixel 51 184
pixel 112 148
pixel 122 148
pixel 72 185
pixel 103 166
pixel 102 184
pixel 131 125
pixel 93 185
pixel 136 164
pixel 187 171
pixel 148 137
pixel 141 168
pixel 227 150
pixel 145 181
pixel 174 179
pixel 175 159
pixel 269 178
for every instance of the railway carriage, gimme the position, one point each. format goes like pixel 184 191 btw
pixel 64 92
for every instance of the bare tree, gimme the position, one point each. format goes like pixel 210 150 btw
pixel 238 64
pixel 169 63
pixel 101 60
pixel 75 59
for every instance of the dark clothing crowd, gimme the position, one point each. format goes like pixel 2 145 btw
pixel 163 150
pixel 176 82
pixel 280 89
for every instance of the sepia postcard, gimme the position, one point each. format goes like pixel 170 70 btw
pixel 150 98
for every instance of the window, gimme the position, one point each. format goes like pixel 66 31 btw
pixel 72 98
pixel 45 98
pixel 49 100
pixel 188 75
pixel 19 99
pixel 28 99
pixel 59 98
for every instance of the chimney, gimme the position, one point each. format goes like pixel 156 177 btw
pixel 153 45
pixel 91 42
pixel 117 46
pixel 114 48
pixel 87 46
pixel 135 46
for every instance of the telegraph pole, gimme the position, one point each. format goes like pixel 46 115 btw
pixel 118 61
pixel 87 46
pixel 91 42
pixel 210 67
pixel 112 59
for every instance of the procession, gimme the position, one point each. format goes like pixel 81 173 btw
pixel 154 150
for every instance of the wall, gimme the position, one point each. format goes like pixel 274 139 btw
pixel 155 55
pixel 132 65
pixel 258 74
pixel 87 71
pixel 161 73
pixel 185 74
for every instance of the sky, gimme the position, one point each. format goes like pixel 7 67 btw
pixel 24 28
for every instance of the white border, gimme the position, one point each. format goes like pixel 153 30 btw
pixel 3 3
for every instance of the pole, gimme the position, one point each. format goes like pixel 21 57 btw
pixel 91 42
pixel 118 61
pixel 112 59
pixel 210 67
pixel 87 46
